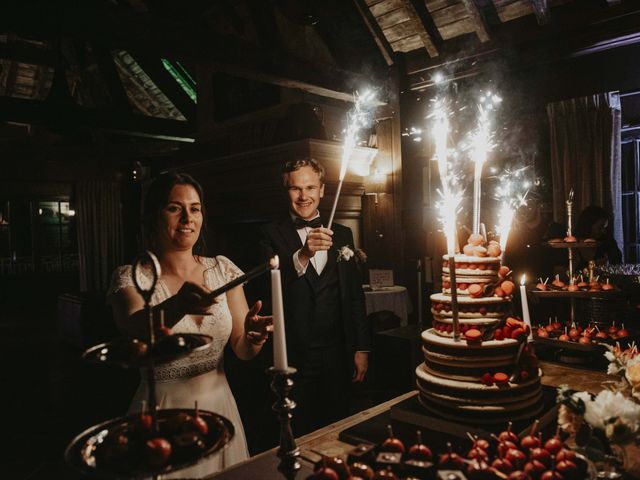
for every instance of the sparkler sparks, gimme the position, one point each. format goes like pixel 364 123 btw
pixel 357 118
pixel 511 193
pixel 481 145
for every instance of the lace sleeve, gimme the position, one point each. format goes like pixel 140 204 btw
pixel 228 269
pixel 121 278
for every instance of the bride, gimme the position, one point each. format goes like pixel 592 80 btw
pixel 174 219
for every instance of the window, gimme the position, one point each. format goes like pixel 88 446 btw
pixel 37 236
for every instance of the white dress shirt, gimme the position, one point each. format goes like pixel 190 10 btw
pixel 318 261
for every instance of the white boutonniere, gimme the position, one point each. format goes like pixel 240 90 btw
pixel 345 253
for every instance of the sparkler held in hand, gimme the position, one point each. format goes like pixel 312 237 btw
pixel 357 118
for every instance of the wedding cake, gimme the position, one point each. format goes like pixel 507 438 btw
pixel 489 374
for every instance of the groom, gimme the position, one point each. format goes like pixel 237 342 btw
pixel 328 337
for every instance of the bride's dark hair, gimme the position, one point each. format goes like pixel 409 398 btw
pixel 156 200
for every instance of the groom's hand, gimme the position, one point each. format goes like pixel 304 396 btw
pixel 317 239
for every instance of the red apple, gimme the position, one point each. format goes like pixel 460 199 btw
pixel 451 459
pixel 420 451
pixel 392 444
pixel 477 453
pixel 554 444
pixel 157 451
pixel 503 465
pixel 516 457
pixel 505 446
pixel 508 435
pixel 541 332
pixel 567 468
pixel 542 455
pixel 199 423
pixel 566 454
pixel 534 468
pixel 623 332
pixel 325 473
pixel 531 441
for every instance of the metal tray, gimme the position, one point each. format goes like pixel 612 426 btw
pixel 85 453
pixel 126 352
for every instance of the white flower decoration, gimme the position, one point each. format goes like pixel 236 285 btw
pixel 609 406
pixel 345 253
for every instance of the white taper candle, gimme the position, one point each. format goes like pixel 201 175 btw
pixel 279 337
pixel 525 306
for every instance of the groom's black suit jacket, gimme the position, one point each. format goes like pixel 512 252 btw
pixel 281 238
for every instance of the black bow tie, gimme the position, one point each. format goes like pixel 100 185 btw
pixel 301 223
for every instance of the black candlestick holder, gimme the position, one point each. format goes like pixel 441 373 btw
pixel 283 406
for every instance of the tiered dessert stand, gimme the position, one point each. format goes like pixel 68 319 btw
pixel 116 448
pixel 574 352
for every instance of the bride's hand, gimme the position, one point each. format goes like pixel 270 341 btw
pixel 194 299
pixel 256 327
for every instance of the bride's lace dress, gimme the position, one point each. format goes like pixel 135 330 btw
pixel 200 376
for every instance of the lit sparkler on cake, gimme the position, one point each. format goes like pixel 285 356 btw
pixel 491 376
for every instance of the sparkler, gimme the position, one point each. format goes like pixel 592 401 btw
pixel 481 145
pixel 512 194
pixel 357 118
pixel 450 200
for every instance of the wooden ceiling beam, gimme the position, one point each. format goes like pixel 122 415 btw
pixel 167 84
pixel 102 24
pixel 489 13
pixel 421 16
pixel 428 24
pixel 110 75
pixel 376 32
pixel 481 29
pixel 75 117
pixel 541 10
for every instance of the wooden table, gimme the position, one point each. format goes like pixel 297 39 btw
pixel 325 441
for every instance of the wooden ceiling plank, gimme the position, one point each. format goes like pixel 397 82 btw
pixel 408 44
pixel 376 32
pixel 385 6
pixel 435 5
pixel 449 14
pixel 396 16
pixel 457 29
pixel 514 10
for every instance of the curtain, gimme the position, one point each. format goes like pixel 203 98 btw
pixel 586 156
pixel 99 223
